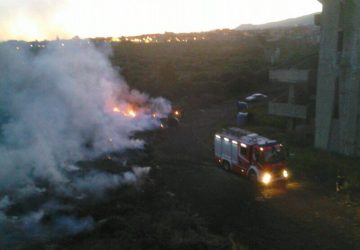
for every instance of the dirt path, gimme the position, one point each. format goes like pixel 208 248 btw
pixel 299 216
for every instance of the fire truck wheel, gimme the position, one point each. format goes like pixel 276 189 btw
pixel 253 177
pixel 226 166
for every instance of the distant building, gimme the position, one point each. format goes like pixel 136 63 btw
pixel 337 121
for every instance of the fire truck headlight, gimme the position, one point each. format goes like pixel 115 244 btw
pixel 285 173
pixel 266 178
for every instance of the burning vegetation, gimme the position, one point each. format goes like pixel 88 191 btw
pixel 59 115
pixel 129 112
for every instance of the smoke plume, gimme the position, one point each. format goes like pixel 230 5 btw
pixel 59 106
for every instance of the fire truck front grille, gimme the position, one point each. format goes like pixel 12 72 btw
pixel 277 173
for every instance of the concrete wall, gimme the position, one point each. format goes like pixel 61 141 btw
pixel 343 67
pixel 350 78
pixel 327 72
pixel 334 136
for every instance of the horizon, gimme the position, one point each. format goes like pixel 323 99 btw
pixel 40 20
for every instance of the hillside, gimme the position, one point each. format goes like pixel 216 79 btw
pixel 307 20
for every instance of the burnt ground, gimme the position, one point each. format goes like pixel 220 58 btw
pixel 187 202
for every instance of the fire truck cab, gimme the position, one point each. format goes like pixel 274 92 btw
pixel 249 154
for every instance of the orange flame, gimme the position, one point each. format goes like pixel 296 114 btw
pixel 129 112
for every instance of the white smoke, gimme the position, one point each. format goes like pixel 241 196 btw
pixel 5 203
pixel 30 226
pixel 56 108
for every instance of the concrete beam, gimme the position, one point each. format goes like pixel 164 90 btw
pixel 288 110
pixel 289 75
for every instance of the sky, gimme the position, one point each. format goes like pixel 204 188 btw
pixel 48 19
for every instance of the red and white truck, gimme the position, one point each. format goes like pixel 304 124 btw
pixel 247 153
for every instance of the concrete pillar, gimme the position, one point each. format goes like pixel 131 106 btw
pixel 327 72
pixel 291 126
pixel 350 79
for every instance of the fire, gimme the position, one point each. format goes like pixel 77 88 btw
pixel 116 109
pixel 129 112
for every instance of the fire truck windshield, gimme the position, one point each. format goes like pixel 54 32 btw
pixel 273 154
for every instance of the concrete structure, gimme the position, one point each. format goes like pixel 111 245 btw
pixel 272 55
pixel 290 109
pixel 289 75
pixel 337 121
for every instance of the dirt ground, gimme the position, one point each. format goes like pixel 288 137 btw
pixel 301 215
pixel 189 203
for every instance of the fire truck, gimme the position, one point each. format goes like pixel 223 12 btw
pixel 252 155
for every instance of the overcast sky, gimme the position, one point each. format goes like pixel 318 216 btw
pixel 46 19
